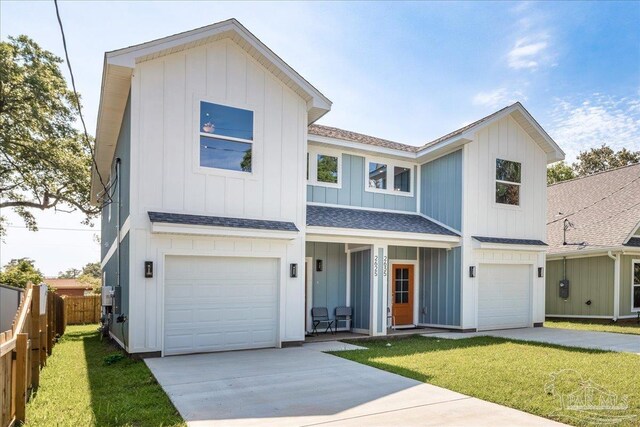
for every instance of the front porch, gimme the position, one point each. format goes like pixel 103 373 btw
pixel 391 333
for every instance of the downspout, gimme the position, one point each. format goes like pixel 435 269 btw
pixel 616 284
pixel 118 227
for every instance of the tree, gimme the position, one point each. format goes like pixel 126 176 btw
pixel 328 169
pixel 603 158
pixel 19 272
pixel 44 162
pixel 92 269
pixel 69 273
pixel 558 172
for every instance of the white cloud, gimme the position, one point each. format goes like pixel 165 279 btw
pixel 500 97
pixel 528 52
pixel 579 125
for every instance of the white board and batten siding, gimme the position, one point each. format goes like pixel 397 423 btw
pixel 482 216
pixel 165 175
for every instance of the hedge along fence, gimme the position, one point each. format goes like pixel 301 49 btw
pixel 80 310
pixel 24 350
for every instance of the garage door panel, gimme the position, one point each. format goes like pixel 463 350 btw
pixel 216 303
pixel 504 296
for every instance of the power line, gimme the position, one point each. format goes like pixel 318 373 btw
pixel 55 228
pixel 77 98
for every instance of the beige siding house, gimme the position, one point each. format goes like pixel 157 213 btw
pixel 593 231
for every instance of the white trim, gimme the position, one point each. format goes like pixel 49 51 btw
pixel 390 178
pixel 507 246
pixel 124 230
pixel 416 287
pixel 600 251
pixel 435 325
pixel 313 154
pixel 422 239
pixel 308 263
pixel 115 338
pixel 360 147
pixel 363 208
pixel 207 230
pixel 441 224
pixel 634 261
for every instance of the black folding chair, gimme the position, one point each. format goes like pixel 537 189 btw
pixel 320 315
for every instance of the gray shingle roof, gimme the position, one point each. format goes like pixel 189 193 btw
pixel 604 209
pixel 506 241
pixel 633 242
pixel 326 216
pixel 219 221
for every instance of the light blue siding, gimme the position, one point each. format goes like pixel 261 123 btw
pixel 441 186
pixel 361 288
pixel 330 284
pixel 111 279
pixel 353 191
pixel 440 278
pixel 403 252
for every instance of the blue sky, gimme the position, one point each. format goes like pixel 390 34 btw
pixel 408 72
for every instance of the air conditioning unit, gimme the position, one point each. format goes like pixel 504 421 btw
pixel 107 296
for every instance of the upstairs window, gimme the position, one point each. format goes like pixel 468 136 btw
pixel 402 179
pixel 226 137
pixel 327 169
pixel 377 175
pixel 508 176
pixel 636 285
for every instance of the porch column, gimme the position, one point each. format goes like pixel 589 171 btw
pixel 379 289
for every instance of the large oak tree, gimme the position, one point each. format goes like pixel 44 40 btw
pixel 44 161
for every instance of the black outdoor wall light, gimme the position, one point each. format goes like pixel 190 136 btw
pixel 318 265
pixel 540 271
pixel 293 270
pixel 472 271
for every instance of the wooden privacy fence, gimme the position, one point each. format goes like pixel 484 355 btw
pixel 82 309
pixel 24 350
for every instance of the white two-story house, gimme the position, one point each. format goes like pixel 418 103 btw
pixel 228 214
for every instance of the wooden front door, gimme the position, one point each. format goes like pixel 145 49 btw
pixel 402 294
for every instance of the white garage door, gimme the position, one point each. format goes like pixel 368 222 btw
pixel 504 296
pixel 217 304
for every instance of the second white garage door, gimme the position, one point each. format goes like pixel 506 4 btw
pixel 218 304
pixel 504 296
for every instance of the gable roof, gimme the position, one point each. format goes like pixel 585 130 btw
pixel 453 139
pixel 219 221
pixel 604 209
pixel 118 69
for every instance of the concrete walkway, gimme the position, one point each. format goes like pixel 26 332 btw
pixel 302 387
pixel 626 343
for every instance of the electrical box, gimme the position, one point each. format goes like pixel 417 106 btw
pixel 564 289
pixel 107 296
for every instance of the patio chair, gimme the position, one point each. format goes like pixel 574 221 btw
pixel 343 314
pixel 320 315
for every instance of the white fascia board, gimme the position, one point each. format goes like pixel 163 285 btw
pixel 593 252
pixel 359 147
pixel 558 154
pixel 444 147
pixel 508 247
pixel 206 230
pixel 421 239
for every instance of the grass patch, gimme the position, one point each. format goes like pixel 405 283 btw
pixel 621 327
pixel 88 382
pixel 511 373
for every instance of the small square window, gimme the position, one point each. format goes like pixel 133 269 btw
pixel 402 179
pixel 327 169
pixel 377 175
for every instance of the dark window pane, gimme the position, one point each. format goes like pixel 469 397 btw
pixel 508 194
pixel 402 179
pixel 327 169
pixel 378 175
pixel 398 298
pixel 507 171
pixel 636 274
pixel 405 298
pixel 636 297
pixel 226 121
pixel 224 154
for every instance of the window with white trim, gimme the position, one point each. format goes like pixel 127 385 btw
pixel 508 182
pixel 635 285
pixel 226 137
pixel 387 177
pixel 324 168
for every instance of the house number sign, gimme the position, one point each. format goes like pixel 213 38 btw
pixel 375 266
pixel 385 265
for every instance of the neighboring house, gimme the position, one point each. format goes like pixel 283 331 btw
pixel 229 214
pixel 601 257
pixel 69 287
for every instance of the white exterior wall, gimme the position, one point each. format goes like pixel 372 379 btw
pixel 165 176
pixel 482 216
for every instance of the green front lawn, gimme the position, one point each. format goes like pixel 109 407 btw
pixel 511 373
pixel 79 387
pixel 621 327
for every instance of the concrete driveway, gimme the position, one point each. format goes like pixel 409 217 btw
pixel 302 386
pixel 626 343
